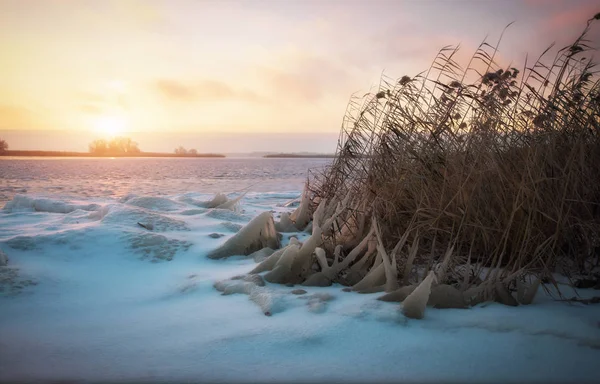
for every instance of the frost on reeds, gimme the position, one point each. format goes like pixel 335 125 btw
pixel 484 179
pixel 259 233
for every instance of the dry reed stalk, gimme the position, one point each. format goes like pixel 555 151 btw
pixel 494 177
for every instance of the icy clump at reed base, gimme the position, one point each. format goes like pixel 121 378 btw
pixel 458 186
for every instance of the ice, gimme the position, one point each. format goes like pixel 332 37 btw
pixel 193 211
pixel 228 215
pixel 119 177
pixel 120 215
pixel 155 247
pixel 154 203
pixel 3 259
pixel 12 282
pixel 25 203
pixel 88 294
pixel 233 227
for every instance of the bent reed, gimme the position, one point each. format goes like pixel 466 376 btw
pixel 457 186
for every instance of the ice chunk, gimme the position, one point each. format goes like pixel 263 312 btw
pixel 219 199
pixel 262 254
pixel 398 295
pixel 285 224
pixel 414 305
pixel 446 296
pixel 257 234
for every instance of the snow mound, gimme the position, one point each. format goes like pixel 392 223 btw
pixel 79 216
pixel 155 203
pixel 233 227
pixel 22 203
pixel 23 243
pixel 74 239
pixel 220 201
pixel 228 215
pixel 117 214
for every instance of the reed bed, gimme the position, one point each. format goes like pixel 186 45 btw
pixel 487 175
pixel 449 188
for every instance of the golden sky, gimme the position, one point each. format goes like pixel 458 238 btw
pixel 208 67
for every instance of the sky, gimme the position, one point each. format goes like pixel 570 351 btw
pixel 230 76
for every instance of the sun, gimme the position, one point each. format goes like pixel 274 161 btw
pixel 110 125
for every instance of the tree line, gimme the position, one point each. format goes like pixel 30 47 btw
pixel 118 146
pixel 182 151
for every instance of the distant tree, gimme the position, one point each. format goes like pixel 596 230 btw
pixel 3 146
pixel 98 147
pixel 118 146
pixel 123 146
pixel 193 152
pixel 180 151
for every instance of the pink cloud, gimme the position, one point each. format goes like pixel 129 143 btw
pixel 573 17
pixel 305 77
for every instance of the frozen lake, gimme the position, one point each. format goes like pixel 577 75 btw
pixel 105 177
pixel 89 295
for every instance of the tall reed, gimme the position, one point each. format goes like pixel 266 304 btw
pixel 489 175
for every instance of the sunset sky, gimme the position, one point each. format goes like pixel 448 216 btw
pixel 201 73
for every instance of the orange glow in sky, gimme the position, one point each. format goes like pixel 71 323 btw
pixel 107 67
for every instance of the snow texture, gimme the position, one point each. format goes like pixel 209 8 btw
pixel 88 294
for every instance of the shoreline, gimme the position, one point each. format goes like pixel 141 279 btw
pixel 294 156
pixel 26 153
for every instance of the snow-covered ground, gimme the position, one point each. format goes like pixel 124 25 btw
pixel 88 294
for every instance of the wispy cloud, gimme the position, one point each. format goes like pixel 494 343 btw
pixel 305 77
pixel 202 91
pixel 175 90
